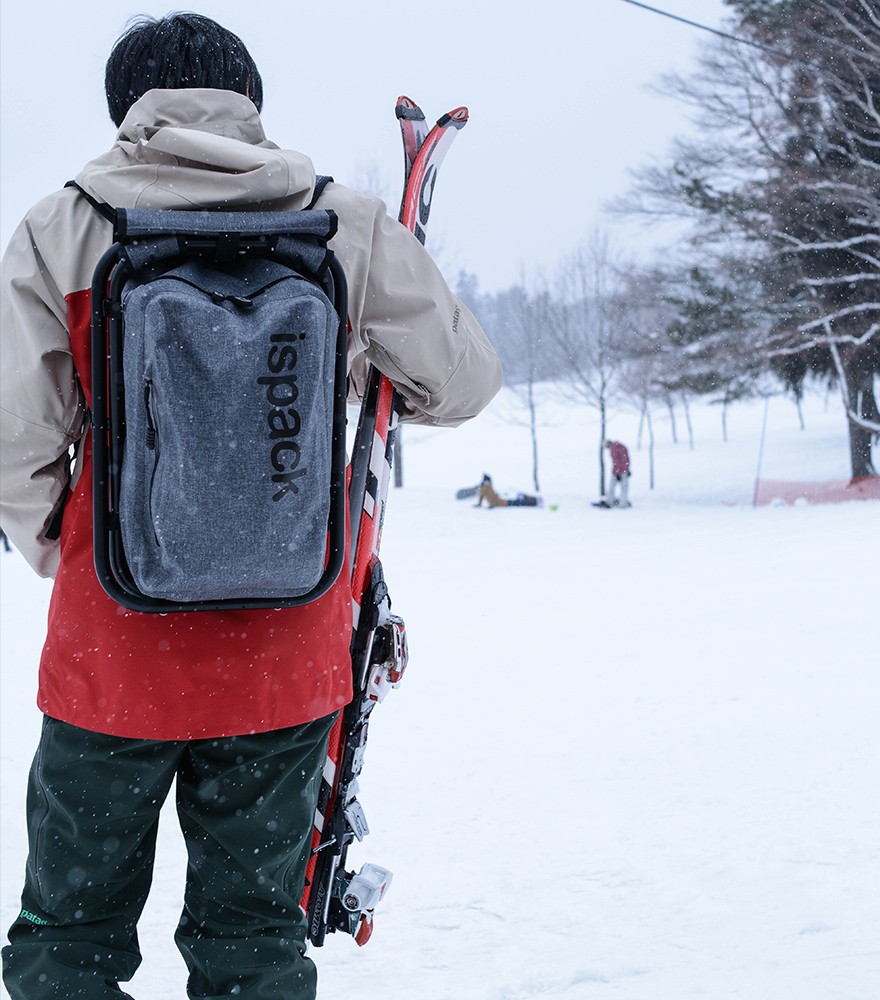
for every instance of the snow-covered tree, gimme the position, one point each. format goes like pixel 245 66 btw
pixel 783 187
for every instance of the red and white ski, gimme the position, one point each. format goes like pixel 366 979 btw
pixel 413 129
pixel 335 899
pixel 419 191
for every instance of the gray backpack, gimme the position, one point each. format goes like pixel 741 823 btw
pixel 218 410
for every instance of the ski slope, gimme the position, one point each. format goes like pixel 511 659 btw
pixel 636 753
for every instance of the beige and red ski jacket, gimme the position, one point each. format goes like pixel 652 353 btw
pixel 200 674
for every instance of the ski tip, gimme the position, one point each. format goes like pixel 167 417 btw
pixel 458 118
pixel 406 107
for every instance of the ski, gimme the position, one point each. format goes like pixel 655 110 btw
pixel 335 899
pixel 419 191
pixel 413 129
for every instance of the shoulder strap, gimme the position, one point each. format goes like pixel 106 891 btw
pixel 320 183
pixel 98 206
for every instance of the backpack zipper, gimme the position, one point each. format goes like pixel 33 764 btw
pixel 243 301
pixel 41 826
pixel 151 420
pixel 152 441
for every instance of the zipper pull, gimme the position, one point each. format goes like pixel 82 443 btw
pixel 151 424
pixel 239 300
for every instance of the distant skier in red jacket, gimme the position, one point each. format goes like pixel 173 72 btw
pixel 620 473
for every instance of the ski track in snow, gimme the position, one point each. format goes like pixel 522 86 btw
pixel 635 755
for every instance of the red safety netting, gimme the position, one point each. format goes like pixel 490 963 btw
pixel 769 491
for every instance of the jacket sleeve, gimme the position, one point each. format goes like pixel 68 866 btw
pixel 41 408
pixel 408 323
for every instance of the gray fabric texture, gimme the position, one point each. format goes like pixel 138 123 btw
pixel 152 236
pixel 225 486
pixel 148 222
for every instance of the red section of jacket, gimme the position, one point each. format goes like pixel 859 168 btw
pixel 619 458
pixel 184 675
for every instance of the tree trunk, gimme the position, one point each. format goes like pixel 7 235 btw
pixel 602 433
pixel 533 427
pixel 860 451
pixel 650 448
pixel 687 417
pixel 724 406
pixel 857 388
pixel 671 407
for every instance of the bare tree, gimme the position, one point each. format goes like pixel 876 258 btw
pixel 517 322
pixel 786 176
pixel 525 319
pixel 587 324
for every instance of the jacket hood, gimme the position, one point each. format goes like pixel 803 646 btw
pixel 197 148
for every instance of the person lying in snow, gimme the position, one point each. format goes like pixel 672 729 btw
pixel 487 492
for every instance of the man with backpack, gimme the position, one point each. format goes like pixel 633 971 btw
pixel 235 706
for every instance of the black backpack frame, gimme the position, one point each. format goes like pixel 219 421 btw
pixel 282 239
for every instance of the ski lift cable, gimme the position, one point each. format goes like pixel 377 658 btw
pixel 739 39
pixel 706 27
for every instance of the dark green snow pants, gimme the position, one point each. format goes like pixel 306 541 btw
pixel 246 806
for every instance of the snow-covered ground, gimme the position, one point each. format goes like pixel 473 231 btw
pixel 636 754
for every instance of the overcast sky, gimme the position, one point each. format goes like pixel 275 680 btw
pixel 557 90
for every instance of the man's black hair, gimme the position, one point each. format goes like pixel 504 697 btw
pixel 177 51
